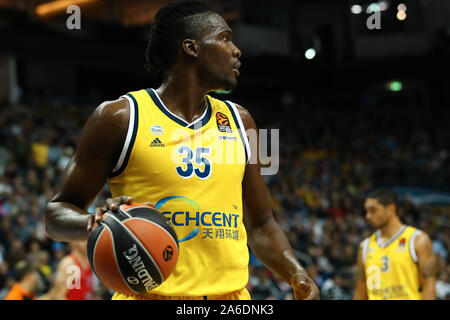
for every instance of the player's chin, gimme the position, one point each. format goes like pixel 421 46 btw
pixel 373 224
pixel 230 84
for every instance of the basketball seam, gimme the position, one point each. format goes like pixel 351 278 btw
pixel 117 261
pixel 124 212
pixel 162 228
pixel 95 248
pixel 137 240
pixel 131 208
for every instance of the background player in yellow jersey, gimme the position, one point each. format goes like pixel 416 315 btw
pixel 190 50
pixel 397 261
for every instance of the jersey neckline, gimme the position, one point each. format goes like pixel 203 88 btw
pixel 196 124
pixel 394 237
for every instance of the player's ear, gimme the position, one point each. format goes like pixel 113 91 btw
pixel 190 47
pixel 391 209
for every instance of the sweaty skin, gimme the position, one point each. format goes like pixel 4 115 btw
pixel 204 65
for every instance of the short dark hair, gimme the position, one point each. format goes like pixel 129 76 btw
pixel 172 24
pixel 385 196
pixel 21 269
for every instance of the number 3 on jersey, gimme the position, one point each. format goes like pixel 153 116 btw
pixel 385 262
pixel 187 170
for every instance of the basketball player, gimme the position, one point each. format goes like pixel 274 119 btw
pixel 74 279
pixel 144 145
pixel 397 261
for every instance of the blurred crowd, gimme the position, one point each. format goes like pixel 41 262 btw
pixel 329 159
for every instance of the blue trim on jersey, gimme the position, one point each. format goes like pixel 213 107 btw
pixel 384 245
pixel 133 138
pixel 204 120
pixel 239 129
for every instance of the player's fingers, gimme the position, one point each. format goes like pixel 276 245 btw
pixel 302 291
pixel 91 220
pixel 98 214
pixel 313 292
pixel 126 199
pixel 113 203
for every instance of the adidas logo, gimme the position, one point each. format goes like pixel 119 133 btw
pixel 157 143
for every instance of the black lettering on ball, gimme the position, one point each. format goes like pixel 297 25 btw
pixel 168 253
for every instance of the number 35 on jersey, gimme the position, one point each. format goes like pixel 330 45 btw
pixel 194 162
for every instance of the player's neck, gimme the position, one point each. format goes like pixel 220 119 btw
pixel 183 96
pixel 391 228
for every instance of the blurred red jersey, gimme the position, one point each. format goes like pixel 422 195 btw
pixel 86 287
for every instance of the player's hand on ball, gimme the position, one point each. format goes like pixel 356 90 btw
pixel 304 287
pixel 111 204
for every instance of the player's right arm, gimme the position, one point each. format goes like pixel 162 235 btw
pixel 99 147
pixel 361 286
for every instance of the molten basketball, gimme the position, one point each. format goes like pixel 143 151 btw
pixel 133 251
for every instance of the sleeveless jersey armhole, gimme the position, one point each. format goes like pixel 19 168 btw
pixel 130 138
pixel 412 249
pixel 241 128
pixel 365 248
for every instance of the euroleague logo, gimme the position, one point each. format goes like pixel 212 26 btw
pixel 168 253
pixel 223 124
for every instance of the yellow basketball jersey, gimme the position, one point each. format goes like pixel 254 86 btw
pixel 391 267
pixel 193 173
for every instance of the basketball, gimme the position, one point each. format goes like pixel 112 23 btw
pixel 134 250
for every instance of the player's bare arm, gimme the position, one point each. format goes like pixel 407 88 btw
pixel 361 286
pixel 427 265
pixel 265 237
pixel 98 149
pixel 60 287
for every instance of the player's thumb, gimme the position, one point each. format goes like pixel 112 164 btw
pixel 302 290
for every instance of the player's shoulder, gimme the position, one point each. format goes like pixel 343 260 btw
pixel 420 237
pixel 365 241
pixel 243 112
pixel 115 110
pixel 245 116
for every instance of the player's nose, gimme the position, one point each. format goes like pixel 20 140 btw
pixel 236 52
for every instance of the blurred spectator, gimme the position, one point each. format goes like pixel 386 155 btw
pixel 443 284
pixel 338 287
pixel 26 280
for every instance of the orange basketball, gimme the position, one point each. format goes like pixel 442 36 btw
pixel 133 251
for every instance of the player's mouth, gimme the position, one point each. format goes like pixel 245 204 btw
pixel 235 69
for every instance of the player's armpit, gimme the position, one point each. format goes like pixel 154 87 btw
pixel 361 286
pixel 426 264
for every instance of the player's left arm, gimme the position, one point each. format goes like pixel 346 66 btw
pixel 265 237
pixel 60 287
pixel 427 265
